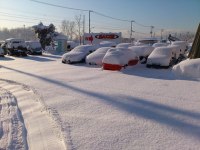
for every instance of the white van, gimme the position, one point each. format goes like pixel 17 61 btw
pixel 15 46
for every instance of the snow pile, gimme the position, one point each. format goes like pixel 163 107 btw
pixel 188 68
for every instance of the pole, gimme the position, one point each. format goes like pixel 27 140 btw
pixel 151 32
pixel 24 33
pixel 89 20
pixel 131 31
pixel 131 34
pixel 83 27
pixel 161 36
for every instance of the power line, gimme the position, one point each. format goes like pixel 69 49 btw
pixel 59 6
pixel 141 24
pixel 27 17
pixel 95 12
pixel 17 20
pixel 110 17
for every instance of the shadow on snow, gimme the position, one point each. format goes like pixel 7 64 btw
pixel 155 112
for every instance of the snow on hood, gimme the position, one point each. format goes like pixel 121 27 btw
pixel 188 68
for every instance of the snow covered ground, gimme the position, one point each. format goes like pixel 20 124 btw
pixel 45 104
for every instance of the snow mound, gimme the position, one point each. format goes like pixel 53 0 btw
pixel 188 68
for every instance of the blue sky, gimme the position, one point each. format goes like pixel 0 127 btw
pixel 170 15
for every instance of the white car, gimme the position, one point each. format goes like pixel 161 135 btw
pixel 161 57
pixel 34 47
pixel 107 44
pixel 124 45
pixel 147 41
pixel 71 45
pixel 142 51
pixel 96 57
pixel 175 51
pixel 117 58
pixel 15 46
pixel 182 45
pixel 78 54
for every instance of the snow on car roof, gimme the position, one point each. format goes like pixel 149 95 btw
pixel 123 45
pixel 118 56
pixel 162 51
pixel 143 50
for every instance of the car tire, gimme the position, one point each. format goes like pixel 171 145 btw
pixel 69 62
pixel 64 61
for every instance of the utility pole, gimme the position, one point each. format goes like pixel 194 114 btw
pixel 24 33
pixel 161 35
pixel 151 32
pixel 89 19
pixel 131 30
pixel 83 27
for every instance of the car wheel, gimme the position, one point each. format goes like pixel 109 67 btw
pixel 24 54
pixel 68 61
pixel 64 61
pixel 9 53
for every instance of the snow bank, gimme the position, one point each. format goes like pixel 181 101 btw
pixel 188 68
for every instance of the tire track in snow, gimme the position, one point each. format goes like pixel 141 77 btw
pixel 55 121
pixel 12 129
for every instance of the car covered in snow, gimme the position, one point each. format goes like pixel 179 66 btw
pixel 182 45
pixel 71 45
pixel 161 57
pixel 147 41
pixel 78 54
pixel 124 45
pixel 1 52
pixel 142 51
pixel 117 58
pixel 15 46
pixel 96 57
pixel 175 51
pixel 34 47
pixel 160 44
pixel 107 44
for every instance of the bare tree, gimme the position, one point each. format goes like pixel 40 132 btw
pixel 68 28
pixel 6 33
pixel 78 20
pixel 64 27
